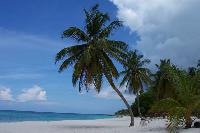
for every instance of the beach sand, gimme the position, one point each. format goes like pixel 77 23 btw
pixel 114 125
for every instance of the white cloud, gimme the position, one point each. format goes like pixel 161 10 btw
pixel 109 93
pixel 35 93
pixel 168 28
pixel 5 94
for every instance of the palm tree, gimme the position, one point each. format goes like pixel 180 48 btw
pixel 198 65
pixel 192 71
pixel 92 57
pixel 135 74
pixel 163 80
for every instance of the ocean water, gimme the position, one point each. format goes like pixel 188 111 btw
pixel 16 116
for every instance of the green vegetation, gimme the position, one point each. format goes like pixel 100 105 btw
pixel 147 99
pixel 182 98
pixel 174 92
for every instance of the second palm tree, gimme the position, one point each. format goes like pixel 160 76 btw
pixel 135 75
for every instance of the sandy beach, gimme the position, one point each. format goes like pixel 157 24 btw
pixel 114 125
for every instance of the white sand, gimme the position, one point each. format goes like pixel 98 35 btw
pixel 115 125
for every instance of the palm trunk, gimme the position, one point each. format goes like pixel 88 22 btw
pixel 138 105
pixel 123 99
pixel 188 123
pixel 188 120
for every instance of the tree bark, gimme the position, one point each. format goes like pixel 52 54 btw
pixel 188 120
pixel 188 123
pixel 123 99
pixel 138 105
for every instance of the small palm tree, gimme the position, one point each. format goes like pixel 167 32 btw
pixel 135 74
pixel 179 112
pixel 163 80
pixel 92 58
pixel 198 65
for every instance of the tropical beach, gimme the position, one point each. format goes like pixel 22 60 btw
pixel 113 66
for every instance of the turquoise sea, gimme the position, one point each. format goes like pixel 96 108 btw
pixel 16 116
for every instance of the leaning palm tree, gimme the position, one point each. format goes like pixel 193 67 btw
pixel 92 57
pixel 135 75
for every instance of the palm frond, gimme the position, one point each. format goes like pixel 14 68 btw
pixel 116 50
pixel 95 20
pixel 69 51
pixel 124 80
pixel 76 34
pixel 164 105
pixel 67 62
pixel 135 75
pixel 109 65
pixel 108 30
pixel 98 81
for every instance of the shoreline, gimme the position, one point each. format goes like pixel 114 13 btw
pixel 110 125
pixel 56 120
pixel 23 116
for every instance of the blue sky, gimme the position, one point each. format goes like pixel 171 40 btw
pixel 30 33
pixel 29 39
